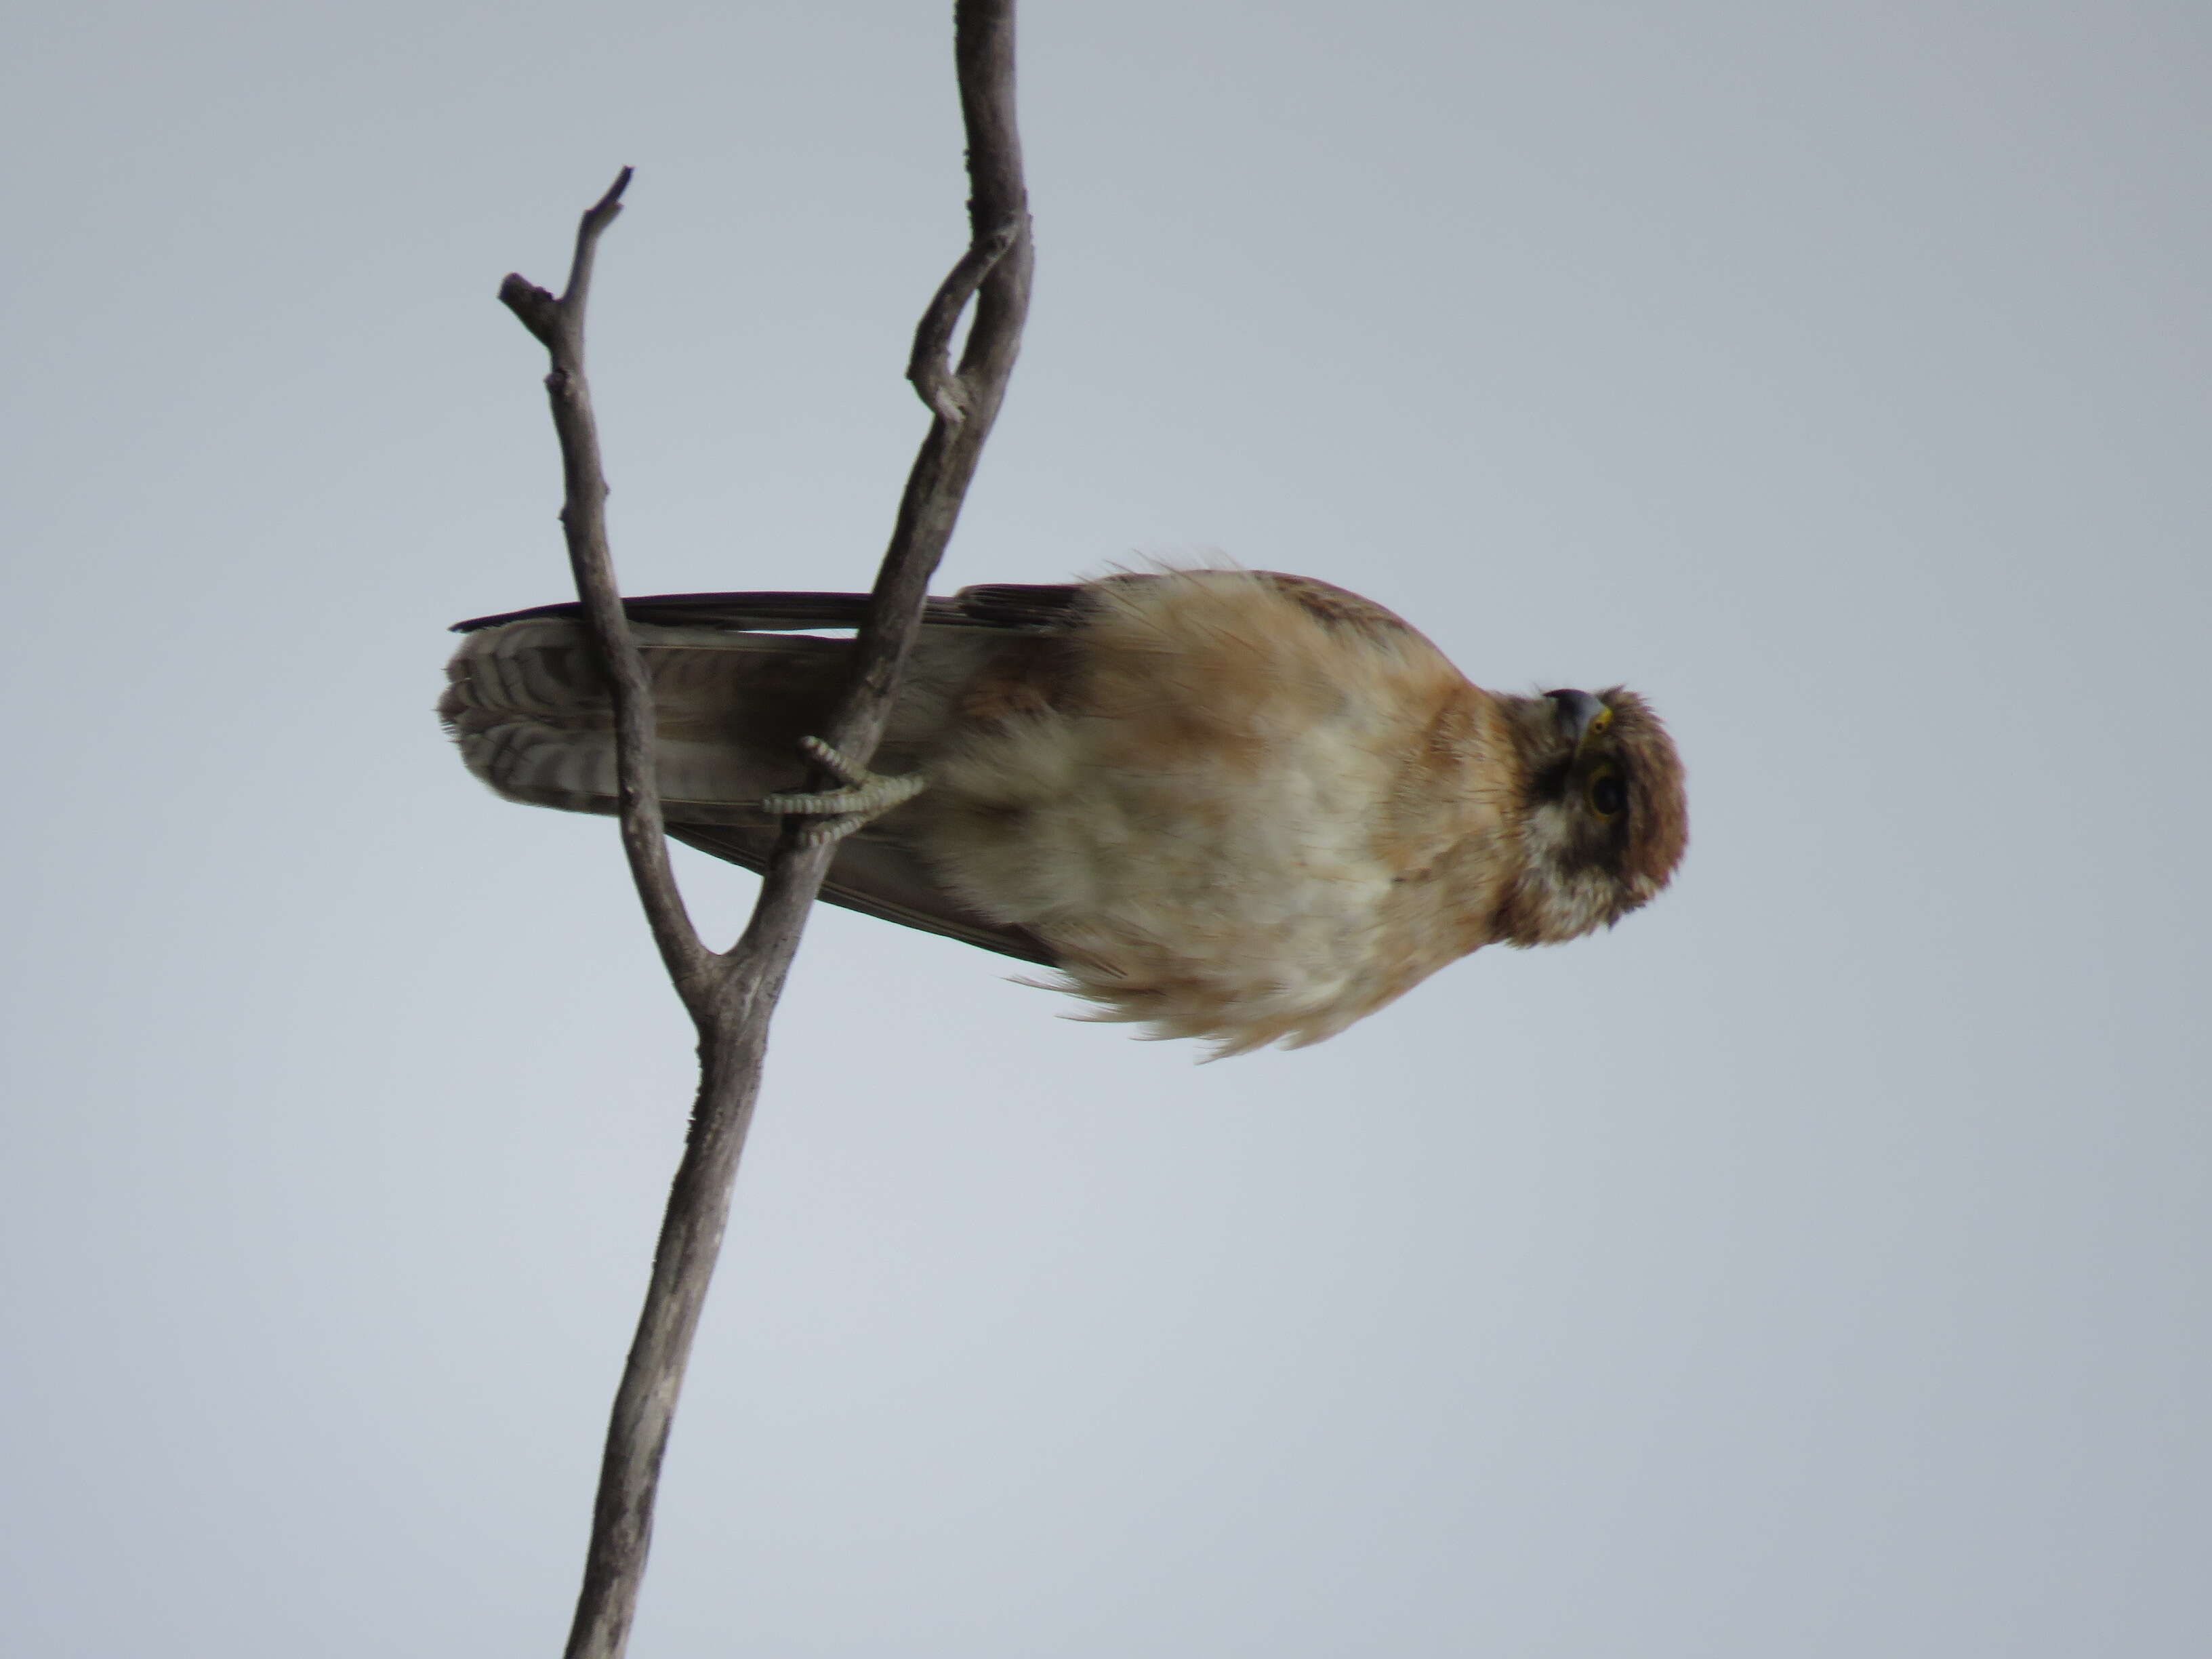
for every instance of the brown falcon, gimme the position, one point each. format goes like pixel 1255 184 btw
pixel 1226 804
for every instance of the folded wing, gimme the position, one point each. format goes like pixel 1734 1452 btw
pixel 735 690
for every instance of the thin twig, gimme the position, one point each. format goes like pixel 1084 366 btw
pixel 559 325
pixel 732 996
pixel 929 366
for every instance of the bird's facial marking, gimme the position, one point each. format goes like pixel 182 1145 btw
pixel 1602 820
pixel 1605 792
pixel 1578 771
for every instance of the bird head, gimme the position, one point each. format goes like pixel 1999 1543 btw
pixel 1603 816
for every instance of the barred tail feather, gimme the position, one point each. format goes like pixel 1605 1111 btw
pixel 531 711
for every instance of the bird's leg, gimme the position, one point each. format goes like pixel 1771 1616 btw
pixel 866 795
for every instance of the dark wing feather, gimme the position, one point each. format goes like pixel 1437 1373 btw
pixel 1003 605
pixel 1040 607
pixel 879 878
pixel 874 872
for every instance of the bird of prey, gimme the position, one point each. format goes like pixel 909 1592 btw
pixel 1228 804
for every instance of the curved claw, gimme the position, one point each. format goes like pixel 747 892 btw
pixel 866 795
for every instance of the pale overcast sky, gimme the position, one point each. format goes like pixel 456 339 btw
pixel 1814 1267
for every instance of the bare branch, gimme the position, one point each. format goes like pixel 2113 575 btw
pixel 732 996
pixel 559 325
pixel 928 366
pixel 937 484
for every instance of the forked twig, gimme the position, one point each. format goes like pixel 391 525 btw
pixel 559 327
pixel 928 366
pixel 730 995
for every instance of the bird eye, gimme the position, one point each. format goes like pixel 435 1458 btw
pixel 1607 795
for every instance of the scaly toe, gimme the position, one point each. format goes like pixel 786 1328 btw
pixel 866 795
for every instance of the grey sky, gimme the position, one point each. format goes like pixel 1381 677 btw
pixel 1813 1267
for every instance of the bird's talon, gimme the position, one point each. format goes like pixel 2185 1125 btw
pixel 865 795
pixel 824 831
pixel 833 760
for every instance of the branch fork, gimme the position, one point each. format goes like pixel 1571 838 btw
pixel 731 994
pixel 929 366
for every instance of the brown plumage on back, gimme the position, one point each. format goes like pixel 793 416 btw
pixel 1228 804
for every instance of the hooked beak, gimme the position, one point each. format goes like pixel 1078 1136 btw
pixel 1581 716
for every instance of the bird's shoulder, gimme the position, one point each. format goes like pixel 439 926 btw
pixel 1250 650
